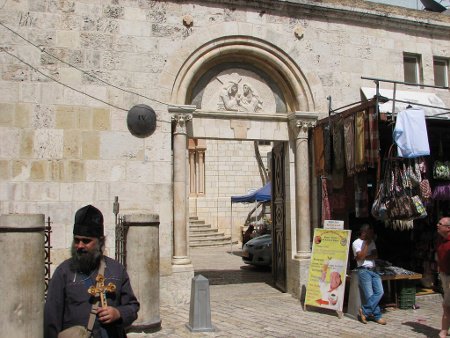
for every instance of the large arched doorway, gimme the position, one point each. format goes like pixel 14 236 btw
pixel 242 88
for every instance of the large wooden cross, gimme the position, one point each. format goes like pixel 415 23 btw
pixel 102 289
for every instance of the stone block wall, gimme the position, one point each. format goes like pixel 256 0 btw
pixel 64 146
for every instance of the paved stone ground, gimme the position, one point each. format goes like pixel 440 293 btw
pixel 244 304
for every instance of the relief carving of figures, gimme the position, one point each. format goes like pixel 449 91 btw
pixel 233 99
pixel 250 100
pixel 229 97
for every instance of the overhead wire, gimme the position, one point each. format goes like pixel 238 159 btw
pixel 43 50
pixel 57 81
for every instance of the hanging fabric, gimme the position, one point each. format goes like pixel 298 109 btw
pixel 338 164
pixel 372 138
pixel 410 133
pixel 349 145
pixel 326 210
pixel 319 160
pixel 327 148
pixel 360 139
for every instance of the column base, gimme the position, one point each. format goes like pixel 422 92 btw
pixel 303 255
pixel 299 279
pixel 181 260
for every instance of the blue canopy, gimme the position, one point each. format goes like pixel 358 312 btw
pixel 263 194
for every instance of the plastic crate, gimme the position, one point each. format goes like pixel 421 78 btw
pixel 407 301
pixel 407 295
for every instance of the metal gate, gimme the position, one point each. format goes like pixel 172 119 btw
pixel 278 218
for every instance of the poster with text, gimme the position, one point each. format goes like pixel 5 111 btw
pixel 327 271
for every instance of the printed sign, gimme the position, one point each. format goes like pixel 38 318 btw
pixel 327 271
pixel 333 224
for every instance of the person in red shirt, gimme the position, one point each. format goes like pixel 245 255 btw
pixel 443 259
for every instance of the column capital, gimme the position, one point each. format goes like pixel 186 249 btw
pixel 181 114
pixel 301 122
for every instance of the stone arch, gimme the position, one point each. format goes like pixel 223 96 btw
pixel 277 56
pixel 264 49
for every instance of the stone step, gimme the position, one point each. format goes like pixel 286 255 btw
pixel 210 243
pixel 200 226
pixel 204 231
pixel 196 222
pixel 201 234
pixel 207 236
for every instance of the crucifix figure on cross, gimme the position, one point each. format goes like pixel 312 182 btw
pixel 101 289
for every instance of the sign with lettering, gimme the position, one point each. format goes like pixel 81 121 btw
pixel 327 271
pixel 141 120
pixel 333 224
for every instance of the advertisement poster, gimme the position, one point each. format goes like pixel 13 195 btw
pixel 326 281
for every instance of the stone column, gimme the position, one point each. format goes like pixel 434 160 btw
pixel 22 266
pixel 192 172
pixel 201 172
pixel 181 115
pixel 143 267
pixel 300 124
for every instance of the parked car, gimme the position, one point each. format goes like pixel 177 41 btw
pixel 258 251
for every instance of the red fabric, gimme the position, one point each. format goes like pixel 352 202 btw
pixel 372 137
pixel 319 151
pixel 443 254
pixel 326 210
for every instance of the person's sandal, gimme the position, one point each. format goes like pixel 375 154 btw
pixel 381 321
pixel 362 317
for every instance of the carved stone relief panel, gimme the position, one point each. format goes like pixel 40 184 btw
pixel 238 90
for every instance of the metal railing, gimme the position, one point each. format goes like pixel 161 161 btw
pixel 47 250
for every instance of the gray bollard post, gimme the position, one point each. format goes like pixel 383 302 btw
pixel 355 296
pixel 23 275
pixel 200 309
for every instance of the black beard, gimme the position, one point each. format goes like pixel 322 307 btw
pixel 84 261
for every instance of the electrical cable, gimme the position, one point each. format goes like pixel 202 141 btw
pixel 42 49
pixel 61 83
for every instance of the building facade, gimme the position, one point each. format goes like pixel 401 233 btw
pixel 219 75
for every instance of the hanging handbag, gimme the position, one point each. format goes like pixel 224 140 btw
pixel 425 190
pixel 80 331
pixel 399 224
pixel 75 332
pixel 401 207
pixel 379 209
pixel 441 192
pixel 412 170
pixel 441 168
pixel 421 210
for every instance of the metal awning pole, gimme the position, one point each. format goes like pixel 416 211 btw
pixel 393 102
pixel 231 230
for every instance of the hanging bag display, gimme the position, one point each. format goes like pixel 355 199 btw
pixel 379 209
pixel 425 192
pixel 441 168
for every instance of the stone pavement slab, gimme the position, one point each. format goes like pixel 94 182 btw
pixel 245 304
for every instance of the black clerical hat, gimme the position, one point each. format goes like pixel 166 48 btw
pixel 88 222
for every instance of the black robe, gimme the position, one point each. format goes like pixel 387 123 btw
pixel 69 304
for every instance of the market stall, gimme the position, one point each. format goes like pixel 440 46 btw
pixel 368 171
pixel 261 197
